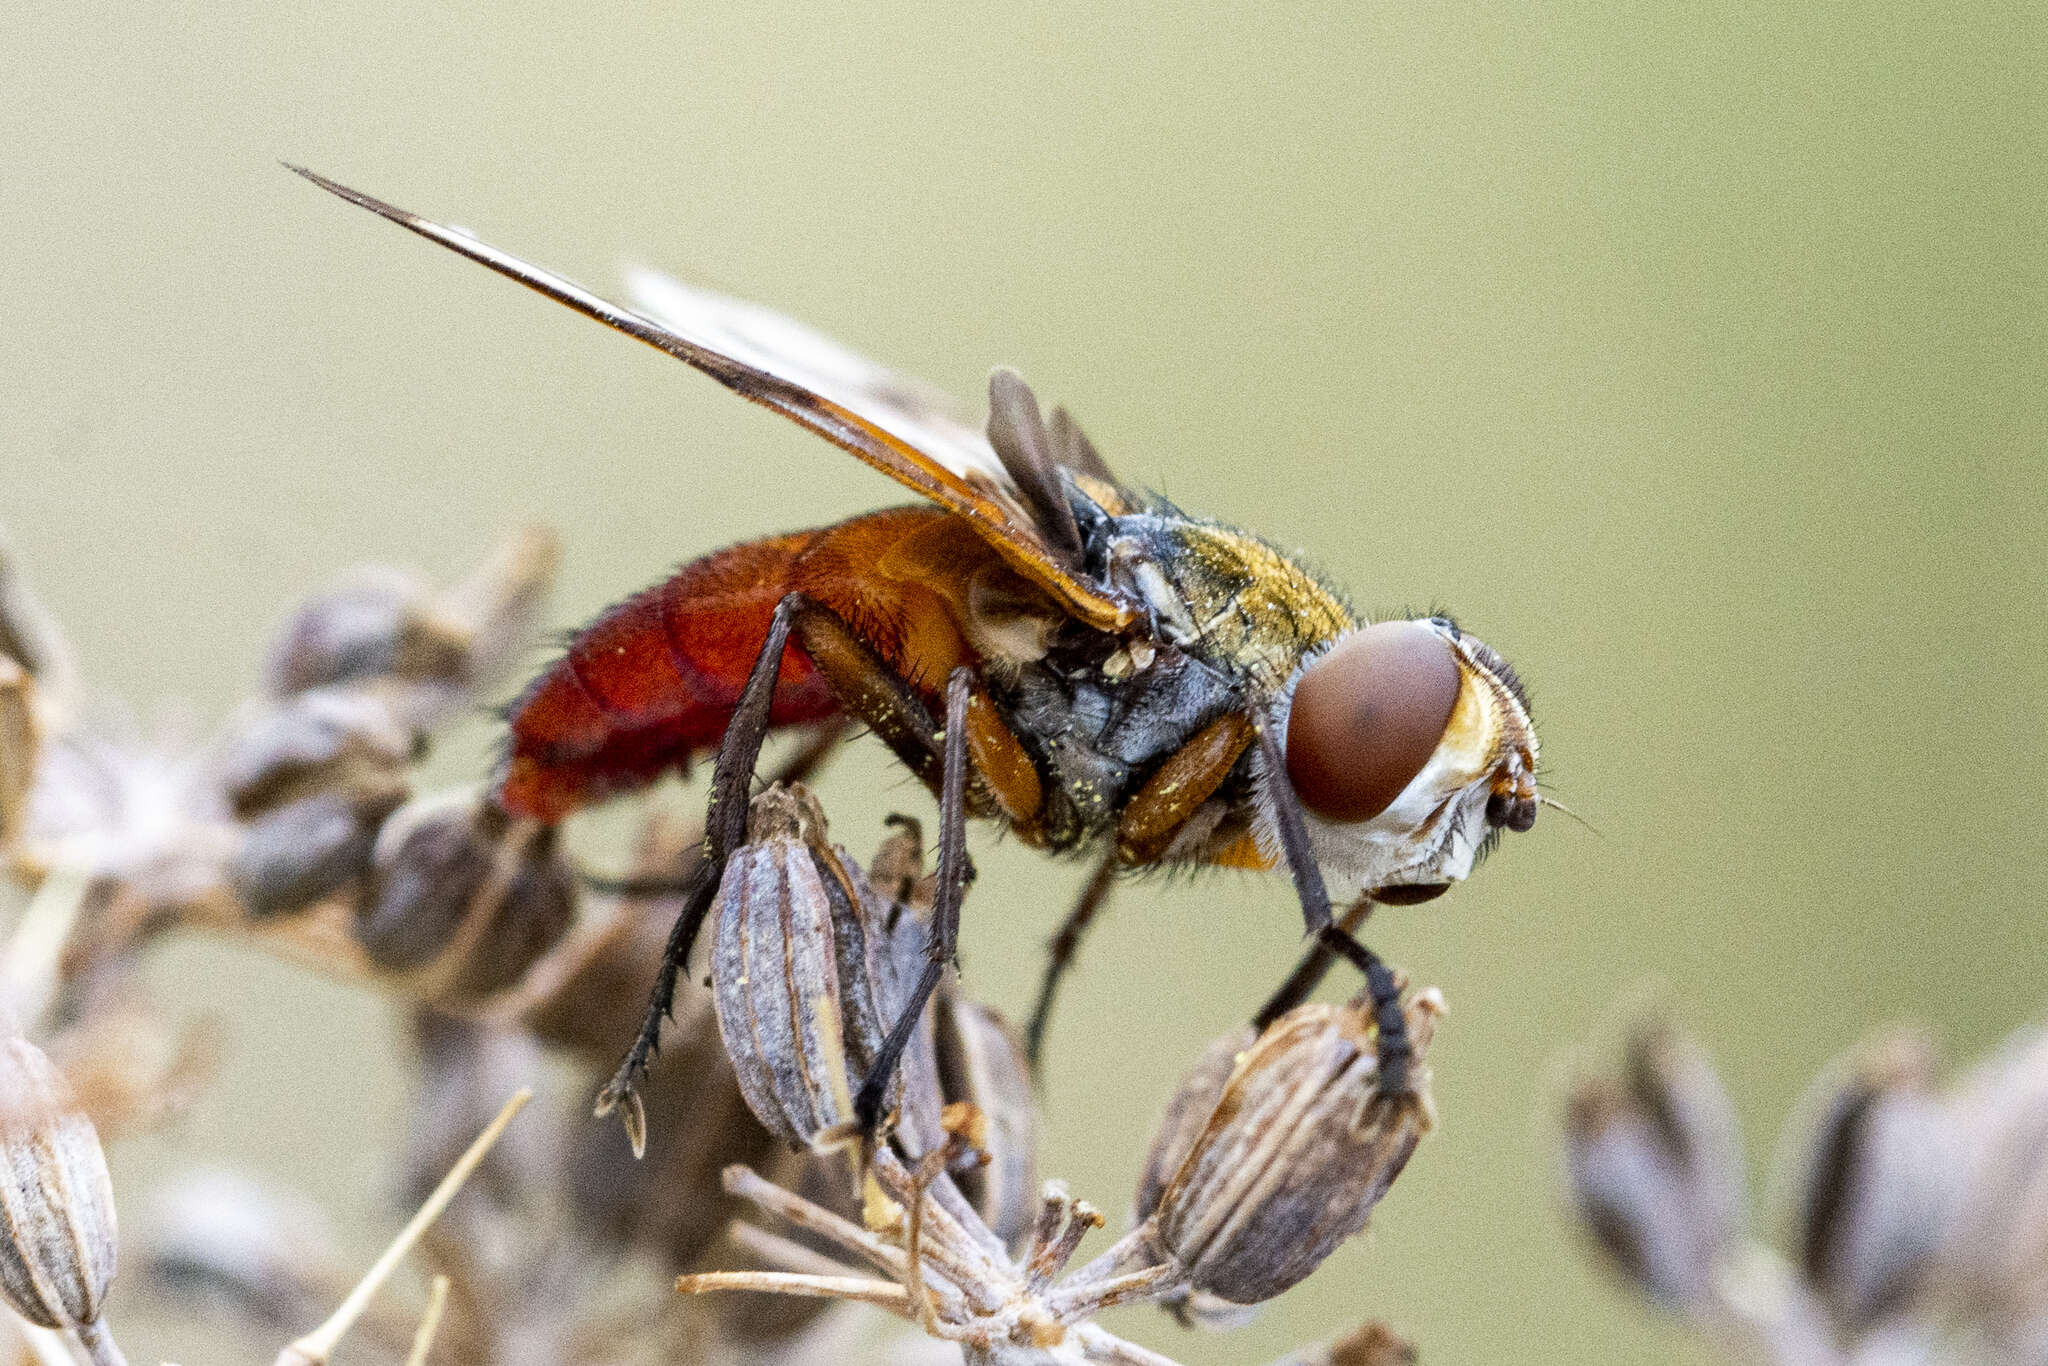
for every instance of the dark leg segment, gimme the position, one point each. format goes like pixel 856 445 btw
pixel 802 762
pixel 725 829
pixel 1060 955
pixel 1315 964
pixel 1394 1048
pixel 942 936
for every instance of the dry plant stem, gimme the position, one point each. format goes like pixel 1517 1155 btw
pixel 929 1169
pixel 1759 1312
pixel 1098 1345
pixel 47 1345
pixel 31 958
pixel 1094 1297
pixel 315 1347
pixel 942 1250
pixel 887 1294
pixel 750 1186
pixel 430 1323
pixel 98 1345
pixel 785 1253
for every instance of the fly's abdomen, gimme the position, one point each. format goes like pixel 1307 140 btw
pixel 653 681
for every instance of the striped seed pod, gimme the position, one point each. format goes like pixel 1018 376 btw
pixel 1298 1148
pixel 797 971
pixel 57 1231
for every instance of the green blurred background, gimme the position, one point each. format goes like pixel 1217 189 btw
pixel 1692 353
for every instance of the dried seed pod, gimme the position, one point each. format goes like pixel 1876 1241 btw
pixel 20 740
pixel 1187 1114
pixel 299 854
pixel 313 743
pixel 380 625
pixel 1876 1182
pixel 466 895
pixel 1993 1253
pixel 1654 1164
pixel 374 623
pixel 795 979
pixel 1299 1148
pixel 982 1063
pixel 1373 1344
pixel 58 1242
pixel 30 637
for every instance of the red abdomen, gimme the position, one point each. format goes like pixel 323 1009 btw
pixel 654 680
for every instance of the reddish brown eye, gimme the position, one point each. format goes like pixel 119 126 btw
pixel 1367 716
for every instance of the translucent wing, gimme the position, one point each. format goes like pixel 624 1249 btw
pixel 914 412
pixel 900 428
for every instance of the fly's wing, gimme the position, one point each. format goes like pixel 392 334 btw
pixel 1016 459
pixel 899 428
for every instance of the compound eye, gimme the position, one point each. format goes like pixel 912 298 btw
pixel 1367 716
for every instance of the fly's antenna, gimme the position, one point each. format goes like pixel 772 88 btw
pixel 1544 799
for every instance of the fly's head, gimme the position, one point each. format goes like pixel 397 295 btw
pixel 1410 746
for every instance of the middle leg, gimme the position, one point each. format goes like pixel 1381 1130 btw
pixel 942 936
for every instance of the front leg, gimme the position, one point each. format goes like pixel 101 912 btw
pixel 1292 827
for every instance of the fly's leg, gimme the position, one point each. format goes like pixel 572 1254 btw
pixel 805 760
pixel 1060 954
pixel 1313 967
pixel 1394 1049
pixel 943 934
pixel 725 829
pixel 1145 829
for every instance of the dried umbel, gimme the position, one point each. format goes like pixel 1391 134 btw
pixel 57 1246
pixel 1298 1148
pixel 1919 1215
pixel 1291 1151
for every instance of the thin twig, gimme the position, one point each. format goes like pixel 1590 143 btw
pixel 749 1185
pixel 314 1348
pixel 782 1254
pixel 29 962
pixel 1090 1298
pixel 98 1344
pixel 430 1323
pixel 887 1294
pixel 1098 1344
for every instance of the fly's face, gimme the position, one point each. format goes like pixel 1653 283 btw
pixel 1410 746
